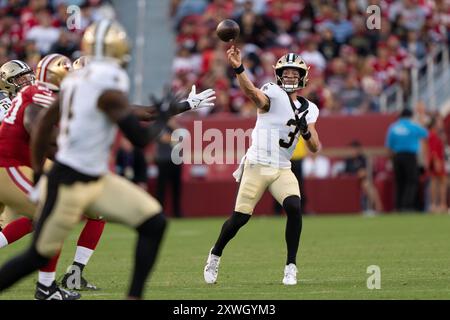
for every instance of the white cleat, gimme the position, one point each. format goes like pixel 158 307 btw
pixel 211 270
pixel 290 275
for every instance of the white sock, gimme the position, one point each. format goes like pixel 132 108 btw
pixel 3 240
pixel 82 255
pixel 46 278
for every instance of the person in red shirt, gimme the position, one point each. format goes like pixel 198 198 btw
pixel 438 174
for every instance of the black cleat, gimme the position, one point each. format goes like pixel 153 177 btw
pixel 83 285
pixel 54 293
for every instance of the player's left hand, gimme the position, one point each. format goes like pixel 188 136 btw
pixel 302 124
pixel 200 100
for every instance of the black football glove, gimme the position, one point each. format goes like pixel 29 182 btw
pixel 301 123
pixel 167 106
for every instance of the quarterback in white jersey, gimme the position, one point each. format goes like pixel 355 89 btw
pixel 276 134
pixel 283 116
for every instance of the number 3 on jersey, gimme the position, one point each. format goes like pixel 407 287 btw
pixel 291 135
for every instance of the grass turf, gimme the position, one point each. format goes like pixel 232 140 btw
pixel 412 251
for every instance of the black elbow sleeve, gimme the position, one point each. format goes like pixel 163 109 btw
pixel 133 130
pixel 180 108
pixel 138 135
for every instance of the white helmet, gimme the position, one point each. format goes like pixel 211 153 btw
pixel 14 75
pixel 291 60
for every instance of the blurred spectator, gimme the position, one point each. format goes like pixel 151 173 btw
pixel 316 166
pixel 312 55
pixel 337 75
pixel 131 163
pixel 438 174
pixel 414 45
pixel 185 61
pixel 65 44
pixel 361 40
pixel 403 138
pixel 332 37
pixel 409 14
pixel 341 27
pixel 169 173
pixel 352 97
pixel 328 47
pixel 258 6
pixel 356 165
pixel 44 34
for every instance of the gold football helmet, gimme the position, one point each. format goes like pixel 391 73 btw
pixel 14 75
pixel 291 60
pixel 106 38
pixel 52 69
pixel 80 63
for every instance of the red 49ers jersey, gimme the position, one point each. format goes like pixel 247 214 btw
pixel 14 138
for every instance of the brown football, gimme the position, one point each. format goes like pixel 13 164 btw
pixel 227 30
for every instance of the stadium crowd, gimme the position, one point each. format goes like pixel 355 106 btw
pixel 350 64
pixel 30 29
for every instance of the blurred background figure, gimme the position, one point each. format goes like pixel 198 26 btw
pixel 437 171
pixel 316 166
pixel 169 173
pixel 356 165
pixel 131 163
pixel 403 141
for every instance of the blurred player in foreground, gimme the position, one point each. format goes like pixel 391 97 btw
pixel 91 107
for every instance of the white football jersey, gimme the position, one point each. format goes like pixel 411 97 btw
pixel 275 136
pixel 5 104
pixel 86 133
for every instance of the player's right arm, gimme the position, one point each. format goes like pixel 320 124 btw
pixel 258 97
pixel 114 104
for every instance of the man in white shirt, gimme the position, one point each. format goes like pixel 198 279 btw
pixel 316 166
pixel 44 34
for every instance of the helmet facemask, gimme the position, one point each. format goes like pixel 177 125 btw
pixel 292 82
pixel 22 80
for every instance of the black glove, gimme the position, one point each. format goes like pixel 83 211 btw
pixel 168 106
pixel 301 123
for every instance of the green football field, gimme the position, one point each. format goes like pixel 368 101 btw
pixel 412 252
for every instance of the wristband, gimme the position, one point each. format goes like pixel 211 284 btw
pixel 239 69
pixel 306 135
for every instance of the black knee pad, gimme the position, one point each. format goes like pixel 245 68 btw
pixel 292 205
pixel 239 219
pixel 154 226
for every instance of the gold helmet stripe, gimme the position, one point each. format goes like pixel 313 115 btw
pixel 101 32
pixel 45 63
